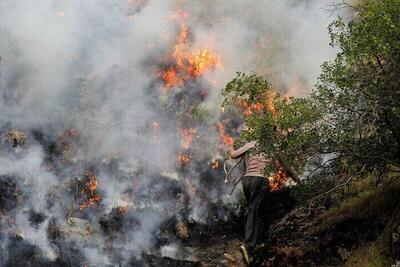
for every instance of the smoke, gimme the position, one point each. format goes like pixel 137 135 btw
pixel 90 66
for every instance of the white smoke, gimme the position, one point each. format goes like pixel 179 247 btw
pixel 85 65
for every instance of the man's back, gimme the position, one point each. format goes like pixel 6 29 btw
pixel 254 163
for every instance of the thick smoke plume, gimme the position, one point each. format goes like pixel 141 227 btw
pixel 81 79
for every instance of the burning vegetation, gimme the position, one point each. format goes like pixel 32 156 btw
pixel 90 191
pixel 113 150
pixel 185 63
pixel 98 201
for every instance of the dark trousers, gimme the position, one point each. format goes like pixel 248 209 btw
pixel 257 193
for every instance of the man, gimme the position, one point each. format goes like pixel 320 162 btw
pixel 257 192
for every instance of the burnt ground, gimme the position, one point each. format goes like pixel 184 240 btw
pixel 217 243
pixel 296 237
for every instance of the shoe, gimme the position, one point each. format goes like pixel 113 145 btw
pixel 245 255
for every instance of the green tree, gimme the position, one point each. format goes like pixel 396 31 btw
pixel 284 128
pixel 359 90
pixel 352 116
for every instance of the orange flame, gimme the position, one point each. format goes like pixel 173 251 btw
pixel 270 102
pixel 187 63
pixel 224 137
pixel 250 109
pixel 184 159
pixel 90 188
pixel 187 137
pixel 278 180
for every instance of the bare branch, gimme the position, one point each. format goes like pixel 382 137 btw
pixel 333 189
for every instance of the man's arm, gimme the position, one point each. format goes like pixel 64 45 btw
pixel 239 152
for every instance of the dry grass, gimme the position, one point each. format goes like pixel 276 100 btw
pixel 374 254
pixel 369 201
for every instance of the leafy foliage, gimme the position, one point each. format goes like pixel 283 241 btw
pixel 350 123
pixel 359 90
pixel 284 128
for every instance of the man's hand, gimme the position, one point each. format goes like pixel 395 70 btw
pixel 229 153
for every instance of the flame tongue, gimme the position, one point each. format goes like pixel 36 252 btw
pixel 90 188
pixel 187 137
pixel 277 181
pixel 186 63
pixel 225 138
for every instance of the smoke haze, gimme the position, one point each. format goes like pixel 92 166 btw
pixel 91 66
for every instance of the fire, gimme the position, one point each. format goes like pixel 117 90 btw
pixel 90 188
pixel 278 180
pixel 184 159
pixel 265 102
pixel 226 139
pixel 186 63
pixel 250 109
pixel 187 137
pixel 215 164
pixel 201 61
pixel 270 102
